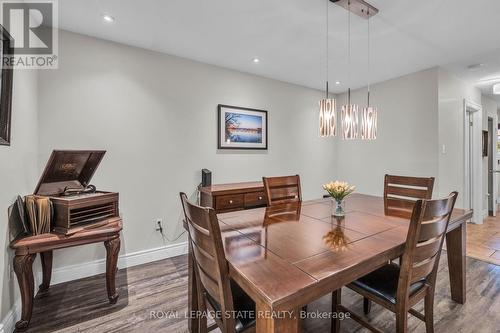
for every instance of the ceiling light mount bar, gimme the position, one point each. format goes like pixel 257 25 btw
pixel 358 7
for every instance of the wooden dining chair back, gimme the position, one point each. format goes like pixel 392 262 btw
pixel 283 189
pixel 401 193
pixel 214 285
pixel 429 222
pixel 399 288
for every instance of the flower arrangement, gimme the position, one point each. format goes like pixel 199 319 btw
pixel 338 190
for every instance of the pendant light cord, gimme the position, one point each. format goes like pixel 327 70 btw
pixel 326 63
pixel 369 69
pixel 349 50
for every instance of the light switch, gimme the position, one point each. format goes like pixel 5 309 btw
pixel 443 149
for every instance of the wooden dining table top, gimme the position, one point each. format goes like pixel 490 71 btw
pixel 289 255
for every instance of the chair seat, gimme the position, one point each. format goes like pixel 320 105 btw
pixel 242 303
pixel 383 283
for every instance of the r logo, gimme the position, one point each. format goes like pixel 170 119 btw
pixel 31 26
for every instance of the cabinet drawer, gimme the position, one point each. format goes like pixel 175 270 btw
pixel 233 201
pixel 255 199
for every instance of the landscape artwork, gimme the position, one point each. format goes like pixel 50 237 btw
pixel 242 128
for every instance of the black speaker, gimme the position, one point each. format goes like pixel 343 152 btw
pixel 206 177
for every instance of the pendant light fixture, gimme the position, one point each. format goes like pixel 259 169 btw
pixel 327 107
pixel 369 113
pixel 349 113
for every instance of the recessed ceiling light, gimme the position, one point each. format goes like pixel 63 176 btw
pixel 108 18
pixel 337 82
pixel 475 66
pixel 496 89
pixel 256 60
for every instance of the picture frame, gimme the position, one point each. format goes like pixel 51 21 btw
pixel 6 42
pixel 241 128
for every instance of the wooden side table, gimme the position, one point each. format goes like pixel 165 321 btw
pixel 26 249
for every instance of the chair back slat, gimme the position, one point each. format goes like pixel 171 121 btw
pixel 401 193
pixel 435 209
pixel 427 249
pixel 209 261
pixel 432 229
pixel 407 192
pixel 209 280
pixel 423 269
pixel 281 190
pixel 428 224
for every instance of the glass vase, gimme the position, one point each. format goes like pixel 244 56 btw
pixel 338 208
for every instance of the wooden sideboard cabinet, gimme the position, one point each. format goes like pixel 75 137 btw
pixel 231 197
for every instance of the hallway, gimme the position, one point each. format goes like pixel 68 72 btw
pixel 483 241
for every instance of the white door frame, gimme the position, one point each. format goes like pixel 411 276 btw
pixel 492 152
pixel 473 161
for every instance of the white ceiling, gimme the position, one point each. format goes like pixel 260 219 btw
pixel 289 35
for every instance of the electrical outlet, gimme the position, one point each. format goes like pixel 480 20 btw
pixel 159 225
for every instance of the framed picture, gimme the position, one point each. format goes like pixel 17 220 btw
pixel 241 128
pixel 5 88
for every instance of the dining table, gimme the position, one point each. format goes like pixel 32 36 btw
pixel 289 255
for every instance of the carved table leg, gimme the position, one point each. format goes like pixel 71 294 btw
pixel 455 249
pixel 46 258
pixel 23 266
pixel 112 249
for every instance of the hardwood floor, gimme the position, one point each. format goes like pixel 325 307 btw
pixel 483 240
pixel 159 289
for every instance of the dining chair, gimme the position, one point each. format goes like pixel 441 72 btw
pixel 401 192
pixel 216 291
pixel 283 189
pixel 399 287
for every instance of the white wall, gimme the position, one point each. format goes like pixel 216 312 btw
pixel 452 92
pixel 18 172
pixel 156 116
pixel 407 133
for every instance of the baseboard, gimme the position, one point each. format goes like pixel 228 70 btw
pixel 8 323
pixel 87 269
pixel 78 271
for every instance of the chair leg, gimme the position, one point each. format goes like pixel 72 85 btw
pixel 401 321
pixel 367 305
pixel 203 321
pixel 336 300
pixel 429 312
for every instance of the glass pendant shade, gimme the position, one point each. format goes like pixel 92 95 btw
pixel 349 119
pixel 369 123
pixel 327 118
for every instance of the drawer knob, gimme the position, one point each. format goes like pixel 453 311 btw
pixel 230 201
pixel 260 198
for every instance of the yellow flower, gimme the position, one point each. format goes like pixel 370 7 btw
pixel 338 190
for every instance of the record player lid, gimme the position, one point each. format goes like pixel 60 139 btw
pixel 68 168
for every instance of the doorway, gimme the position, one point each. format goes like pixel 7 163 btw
pixel 483 233
pixel 492 167
pixel 473 161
